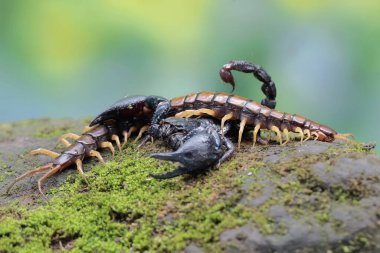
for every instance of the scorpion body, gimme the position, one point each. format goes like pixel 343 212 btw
pixel 198 143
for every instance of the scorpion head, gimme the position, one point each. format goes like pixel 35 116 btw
pixel 198 153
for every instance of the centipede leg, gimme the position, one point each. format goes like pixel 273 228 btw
pixel 299 130
pixel 255 132
pixel 128 134
pixel 43 151
pixel 79 164
pixel 278 133
pixel 141 132
pixel 107 144
pixel 224 119
pixel 30 173
pixel 307 133
pixel 241 130
pixel 286 133
pixel 96 154
pixel 64 137
pixel 115 138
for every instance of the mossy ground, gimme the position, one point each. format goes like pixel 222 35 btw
pixel 123 209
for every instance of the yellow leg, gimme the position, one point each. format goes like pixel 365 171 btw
pixel 185 114
pixel 65 142
pixel 44 152
pixel 115 138
pixel 70 136
pixel 316 135
pixel 299 130
pixel 224 119
pixel 96 154
pixel 141 132
pixel 286 133
pixel 88 128
pixel 278 133
pixel 307 133
pixel 255 131
pixel 241 130
pixel 107 144
pixel 203 111
pixel 78 162
pixel 128 134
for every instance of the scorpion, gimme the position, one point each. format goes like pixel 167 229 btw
pixel 199 143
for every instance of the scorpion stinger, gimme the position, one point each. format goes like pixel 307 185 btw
pixel 268 87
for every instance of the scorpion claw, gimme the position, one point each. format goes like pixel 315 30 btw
pixel 175 173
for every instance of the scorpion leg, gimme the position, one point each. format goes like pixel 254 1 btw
pixel 230 151
pixel 268 87
pixel 300 132
pixel 43 151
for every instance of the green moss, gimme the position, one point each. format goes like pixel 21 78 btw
pixel 122 208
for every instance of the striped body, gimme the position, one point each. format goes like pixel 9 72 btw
pixel 250 111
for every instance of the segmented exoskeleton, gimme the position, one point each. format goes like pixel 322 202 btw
pixel 128 115
pixel 142 113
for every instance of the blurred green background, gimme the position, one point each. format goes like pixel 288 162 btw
pixel 75 58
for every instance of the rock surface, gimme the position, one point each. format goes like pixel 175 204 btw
pixel 310 197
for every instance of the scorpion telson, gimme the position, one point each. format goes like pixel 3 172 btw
pixel 199 143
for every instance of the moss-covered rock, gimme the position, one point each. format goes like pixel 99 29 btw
pixel 310 197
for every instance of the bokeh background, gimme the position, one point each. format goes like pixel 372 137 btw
pixel 75 58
